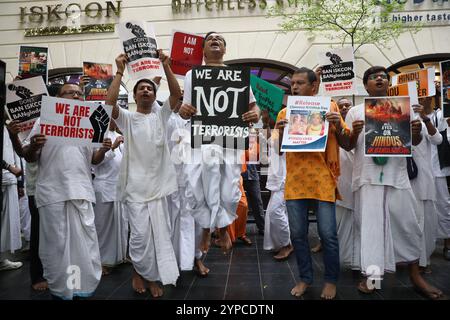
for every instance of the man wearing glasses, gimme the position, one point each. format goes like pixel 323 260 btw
pixel 68 245
pixel 386 229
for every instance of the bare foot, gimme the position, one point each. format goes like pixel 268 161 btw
pixel 427 289
pixel 317 248
pixel 425 270
pixel 299 289
pixel 245 240
pixel 205 241
pixel 138 283
pixel 284 253
pixel 200 269
pixel 362 287
pixel 40 286
pixel 328 291
pixel 105 271
pixel 155 289
pixel 224 240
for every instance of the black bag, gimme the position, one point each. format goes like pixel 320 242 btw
pixel 412 168
pixel 444 148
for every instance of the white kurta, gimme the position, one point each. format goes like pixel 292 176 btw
pixel 276 226
pixel 386 227
pixel 109 222
pixel 442 194
pixel 344 208
pixel 68 244
pixel 10 216
pixel 212 189
pixel 147 177
pixel 424 189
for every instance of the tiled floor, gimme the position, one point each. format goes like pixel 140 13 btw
pixel 247 273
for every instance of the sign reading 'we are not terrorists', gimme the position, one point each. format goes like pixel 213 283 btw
pixel 221 96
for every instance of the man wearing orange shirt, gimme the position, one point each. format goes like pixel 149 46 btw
pixel 311 180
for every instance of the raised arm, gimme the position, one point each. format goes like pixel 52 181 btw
pixel 174 87
pixel 114 88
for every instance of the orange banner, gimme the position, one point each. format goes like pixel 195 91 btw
pixel 424 79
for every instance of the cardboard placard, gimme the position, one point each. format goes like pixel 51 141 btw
pixel 268 96
pixel 307 129
pixel 139 43
pixel 424 79
pixel 101 76
pixel 221 96
pixel 387 127
pixel 338 72
pixel 74 122
pixel 33 62
pixel 186 52
pixel 23 102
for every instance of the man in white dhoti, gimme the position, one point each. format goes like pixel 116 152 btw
pixel 185 231
pixel 276 226
pixel 423 185
pixel 68 244
pixel 10 216
pixel 25 216
pixel 109 221
pixel 386 228
pixel 344 207
pixel 36 271
pixel 147 177
pixel 212 189
pixel 441 170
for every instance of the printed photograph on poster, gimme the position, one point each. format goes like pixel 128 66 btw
pixel 33 62
pixel 338 73
pixel 74 122
pixel 100 78
pixel 387 127
pixel 406 89
pixel 221 97
pixel 445 87
pixel 307 129
pixel 23 102
pixel 268 96
pixel 186 52
pixel 139 43
pixel 122 101
pixel 424 79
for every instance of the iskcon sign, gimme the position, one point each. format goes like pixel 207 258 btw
pixel 59 19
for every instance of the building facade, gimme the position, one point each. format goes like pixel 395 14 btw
pixel 251 37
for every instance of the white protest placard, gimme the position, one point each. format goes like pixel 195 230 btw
pixel 74 122
pixel 338 72
pixel 307 129
pixel 139 43
pixel 23 102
